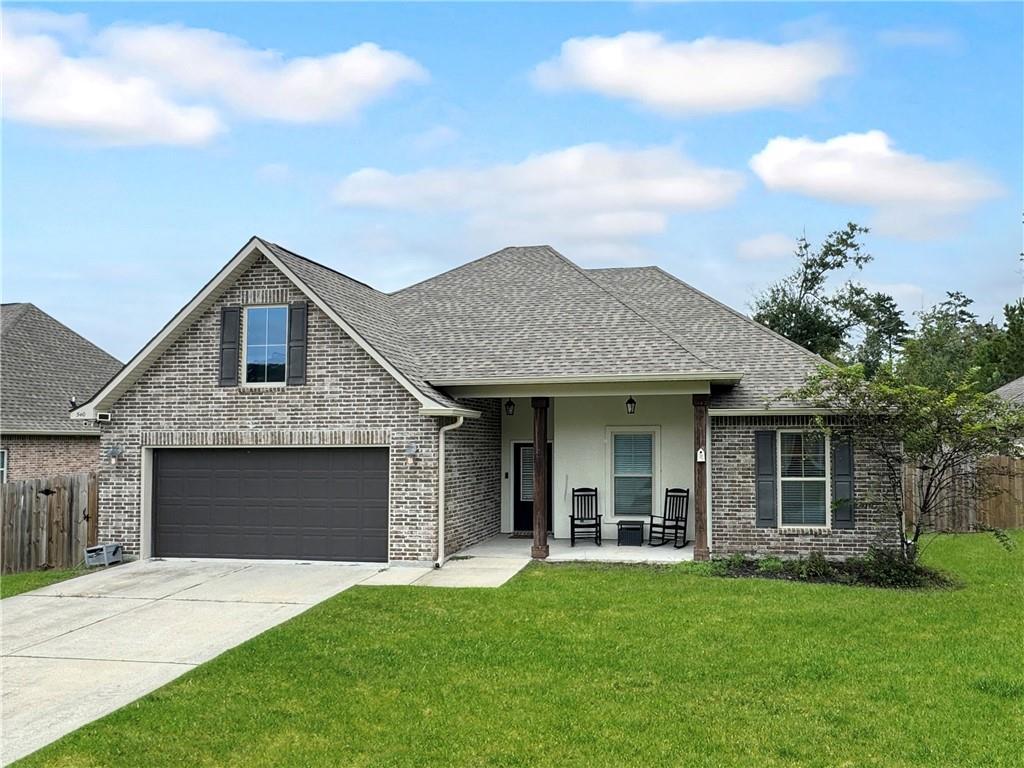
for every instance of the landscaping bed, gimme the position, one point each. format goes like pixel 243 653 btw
pixel 879 568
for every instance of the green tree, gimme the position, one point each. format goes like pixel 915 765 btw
pixel 946 346
pixel 803 308
pixel 1000 354
pixel 943 434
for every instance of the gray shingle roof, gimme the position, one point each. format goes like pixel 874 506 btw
pixel 1012 392
pixel 770 363
pixel 42 365
pixel 368 311
pixel 530 312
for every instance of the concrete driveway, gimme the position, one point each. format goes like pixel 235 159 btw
pixel 75 651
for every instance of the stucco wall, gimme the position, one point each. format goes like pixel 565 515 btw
pixel 579 430
pixel 348 399
pixel 733 497
pixel 34 456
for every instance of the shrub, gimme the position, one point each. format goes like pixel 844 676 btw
pixel 886 568
pixel 771 566
pixel 816 566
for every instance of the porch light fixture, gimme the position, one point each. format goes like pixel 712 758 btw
pixel 410 453
pixel 631 406
pixel 114 453
pixel 510 407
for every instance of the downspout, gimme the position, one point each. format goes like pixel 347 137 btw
pixel 440 487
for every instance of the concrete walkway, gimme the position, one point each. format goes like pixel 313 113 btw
pixel 75 651
pixel 501 546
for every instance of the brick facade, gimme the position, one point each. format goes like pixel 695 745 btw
pixel 34 456
pixel 348 399
pixel 473 477
pixel 733 498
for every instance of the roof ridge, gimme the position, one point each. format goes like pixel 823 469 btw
pixel 46 315
pixel 459 267
pixel 25 306
pixel 671 337
pixel 321 265
pixel 738 314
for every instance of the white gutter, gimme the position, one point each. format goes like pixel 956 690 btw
pixel 440 487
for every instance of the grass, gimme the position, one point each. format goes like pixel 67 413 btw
pixel 588 665
pixel 16 583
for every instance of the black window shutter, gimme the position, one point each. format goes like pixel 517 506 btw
pixel 230 337
pixel 297 312
pixel 842 481
pixel 764 469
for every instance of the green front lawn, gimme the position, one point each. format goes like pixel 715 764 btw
pixel 16 583
pixel 580 665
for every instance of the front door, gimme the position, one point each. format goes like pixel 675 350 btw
pixel 523 490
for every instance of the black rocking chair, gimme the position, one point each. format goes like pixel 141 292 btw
pixel 584 517
pixel 673 519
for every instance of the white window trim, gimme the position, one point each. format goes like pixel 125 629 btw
pixel 3 465
pixel 245 347
pixel 827 478
pixel 610 433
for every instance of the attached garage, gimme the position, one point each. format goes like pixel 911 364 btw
pixel 286 503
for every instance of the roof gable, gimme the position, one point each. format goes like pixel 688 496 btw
pixel 311 279
pixel 43 364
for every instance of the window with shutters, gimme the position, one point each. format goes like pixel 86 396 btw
pixel 633 472
pixel 804 469
pixel 266 345
pixel 3 466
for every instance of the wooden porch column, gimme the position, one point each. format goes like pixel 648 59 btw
pixel 540 477
pixel 700 479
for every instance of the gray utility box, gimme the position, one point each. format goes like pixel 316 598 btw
pixel 103 554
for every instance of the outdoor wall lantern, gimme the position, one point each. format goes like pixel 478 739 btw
pixel 510 407
pixel 410 453
pixel 114 454
pixel 631 406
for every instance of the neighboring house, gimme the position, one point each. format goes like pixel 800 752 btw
pixel 1013 392
pixel 43 365
pixel 290 411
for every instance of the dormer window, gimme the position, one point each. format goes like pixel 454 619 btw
pixel 266 345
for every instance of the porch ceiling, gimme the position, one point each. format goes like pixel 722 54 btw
pixel 659 384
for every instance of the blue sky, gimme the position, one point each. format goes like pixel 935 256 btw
pixel 143 144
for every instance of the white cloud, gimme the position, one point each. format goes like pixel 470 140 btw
pixel 704 75
pixel 912 196
pixel 771 245
pixel 587 193
pixel 259 83
pixel 170 84
pixel 43 86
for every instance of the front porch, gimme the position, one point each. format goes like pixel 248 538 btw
pixel 629 447
pixel 503 545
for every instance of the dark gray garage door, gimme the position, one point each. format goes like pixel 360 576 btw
pixel 294 503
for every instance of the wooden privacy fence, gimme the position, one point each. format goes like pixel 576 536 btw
pixel 1005 508
pixel 48 522
pixel 960 509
